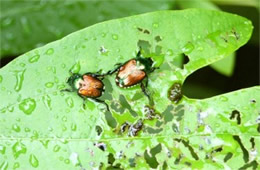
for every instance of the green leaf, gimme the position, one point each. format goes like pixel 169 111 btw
pixel 29 24
pixel 45 128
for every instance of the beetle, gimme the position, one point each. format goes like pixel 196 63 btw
pixel 88 85
pixel 134 71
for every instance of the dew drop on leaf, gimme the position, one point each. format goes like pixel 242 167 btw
pixel 47 101
pixel 1 79
pixel 27 130
pixel 73 127
pixel 67 161
pixel 188 48
pixel 223 99
pixel 2 149
pixel 155 25
pixel 64 119
pixel 7 22
pixel 49 84
pixel 50 51
pixel 34 58
pixel 75 68
pixel 19 75
pixel 18 149
pixel 4 165
pixel 27 106
pixel 69 102
pixel 115 37
pixel 56 148
pixel 22 64
pixel 16 165
pixel 16 128
pixel 33 161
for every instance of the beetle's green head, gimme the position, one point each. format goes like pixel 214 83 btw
pixel 73 80
pixel 147 62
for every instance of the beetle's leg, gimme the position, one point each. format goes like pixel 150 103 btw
pixel 110 72
pixel 145 91
pixel 66 90
pixel 102 102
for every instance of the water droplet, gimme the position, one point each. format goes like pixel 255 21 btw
pixel 115 37
pixel 49 84
pixel 223 98
pixel 34 161
pixel 50 51
pixel 2 149
pixel 73 127
pixel 27 106
pixel 10 108
pixel 56 148
pixel 67 161
pixel 155 25
pixel 75 68
pixel 47 101
pixel 64 119
pixel 103 34
pixel 188 48
pixel 19 75
pixel 4 165
pixel 45 143
pixel 35 135
pixel 60 87
pixel 16 128
pixel 69 102
pixel 25 25
pixel 27 129
pixel 64 128
pixel 7 22
pixel 63 65
pixel 74 158
pixel 16 165
pixel 1 79
pixel 34 58
pixel 18 149
pixel 22 64
pixel 169 52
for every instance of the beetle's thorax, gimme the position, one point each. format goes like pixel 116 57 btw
pixel 90 86
pixel 131 73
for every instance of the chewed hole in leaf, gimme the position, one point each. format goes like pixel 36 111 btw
pixel 98 130
pixel 111 121
pixel 150 156
pixel 228 156
pixel 245 152
pixel 236 114
pixel 186 144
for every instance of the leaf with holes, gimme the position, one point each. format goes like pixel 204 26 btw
pixel 43 127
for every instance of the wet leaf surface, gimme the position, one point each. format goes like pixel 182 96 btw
pixel 42 127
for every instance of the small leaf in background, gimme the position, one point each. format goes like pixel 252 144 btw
pixel 225 66
pixel 29 24
pixel 45 128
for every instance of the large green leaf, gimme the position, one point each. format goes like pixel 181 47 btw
pixel 28 24
pixel 44 128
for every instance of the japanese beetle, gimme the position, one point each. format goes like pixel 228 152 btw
pixel 133 72
pixel 88 85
